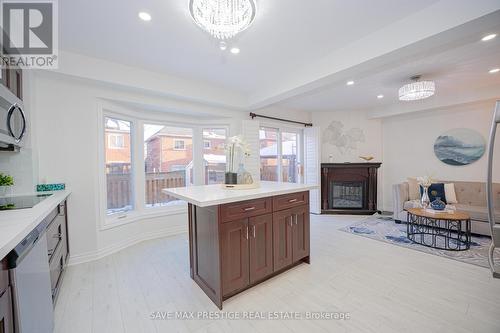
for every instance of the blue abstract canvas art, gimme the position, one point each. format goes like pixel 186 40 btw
pixel 460 146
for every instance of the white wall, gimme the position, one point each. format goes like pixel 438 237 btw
pixel 370 146
pixel 405 143
pixel 408 142
pixel 66 123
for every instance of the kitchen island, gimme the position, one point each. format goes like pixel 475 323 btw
pixel 239 238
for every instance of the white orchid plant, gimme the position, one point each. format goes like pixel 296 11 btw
pixel 234 145
pixel 425 181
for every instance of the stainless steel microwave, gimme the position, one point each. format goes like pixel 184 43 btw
pixel 13 122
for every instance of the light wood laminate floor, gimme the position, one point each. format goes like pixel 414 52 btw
pixel 384 288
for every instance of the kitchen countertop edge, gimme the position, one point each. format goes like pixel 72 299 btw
pixel 17 224
pixel 266 190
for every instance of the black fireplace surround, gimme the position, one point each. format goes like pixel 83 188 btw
pixel 349 188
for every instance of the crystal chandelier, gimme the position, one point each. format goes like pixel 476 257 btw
pixel 417 90
pixel 223 19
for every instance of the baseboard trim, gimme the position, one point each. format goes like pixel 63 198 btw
pixel 113 248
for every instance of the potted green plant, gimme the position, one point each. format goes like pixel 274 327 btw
pixel 5 182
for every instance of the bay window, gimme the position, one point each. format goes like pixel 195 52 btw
pixel 140 158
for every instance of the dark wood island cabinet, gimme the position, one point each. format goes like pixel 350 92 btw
pixel 234 246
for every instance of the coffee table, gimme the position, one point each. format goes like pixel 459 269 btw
pixel 441 230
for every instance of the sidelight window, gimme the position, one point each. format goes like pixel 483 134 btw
pixel 119 178
pixel 168 161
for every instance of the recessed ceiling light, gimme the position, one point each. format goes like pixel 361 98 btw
pixel 488 37
pixel 494 70
pixel 223 46
pixel 235 50
pixel 380 96
pixel 145 16
pixel 350 83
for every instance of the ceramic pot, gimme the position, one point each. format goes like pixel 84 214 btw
pixel 231 178
pixel 3 190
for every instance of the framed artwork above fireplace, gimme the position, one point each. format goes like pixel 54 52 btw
pixel 349 188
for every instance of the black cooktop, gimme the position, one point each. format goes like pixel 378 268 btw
pixel 20 202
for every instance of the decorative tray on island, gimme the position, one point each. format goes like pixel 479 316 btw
pixel 240 186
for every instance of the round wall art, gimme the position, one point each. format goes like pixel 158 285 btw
pixel 460 146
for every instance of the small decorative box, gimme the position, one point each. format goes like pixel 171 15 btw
pixel 50 187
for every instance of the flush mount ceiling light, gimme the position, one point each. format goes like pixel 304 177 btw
pixel 235 50
pixel 417 90
pixel 145 16
pixel 380 96
pixel 349 83
pixel 494 70
pixel 223 19
pixel 488 37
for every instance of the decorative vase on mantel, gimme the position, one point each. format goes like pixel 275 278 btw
pixel 425 201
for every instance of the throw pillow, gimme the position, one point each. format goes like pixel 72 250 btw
pixel 413 189
pixel 436 190
pixel 449 191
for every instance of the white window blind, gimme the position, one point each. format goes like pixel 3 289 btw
pixel 250 131
pixel 312 151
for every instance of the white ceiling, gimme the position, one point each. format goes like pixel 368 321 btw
pixel 286 34
pixel 298 53
pixel 456 70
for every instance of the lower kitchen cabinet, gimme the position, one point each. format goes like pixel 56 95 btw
pixel 290 236
pixel 247 252
pixel 300 233
pixel 57 245
pixel 282 239
pixel 237 245
pixel 6 317
pixel 261 247
pixel 235 260
pixel 6 306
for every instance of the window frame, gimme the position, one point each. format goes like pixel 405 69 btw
pixel 137 120
pixel 175 141
pixel 116 135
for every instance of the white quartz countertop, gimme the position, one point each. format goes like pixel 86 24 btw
pixel 210 195
pixel 17 224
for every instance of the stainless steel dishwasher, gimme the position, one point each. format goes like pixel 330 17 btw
pixel 30 280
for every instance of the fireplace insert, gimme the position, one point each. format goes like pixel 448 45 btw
pixel 349 188
pixel 346 194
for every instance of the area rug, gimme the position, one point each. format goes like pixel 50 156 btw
pixel 386 230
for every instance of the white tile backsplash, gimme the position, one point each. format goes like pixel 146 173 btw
pixel 20 166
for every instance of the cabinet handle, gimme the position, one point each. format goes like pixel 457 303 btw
pixel 291 221
pixel 296 218
pixel 292 200
pixel 253 231
pixel 248 209
pixel 247 232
